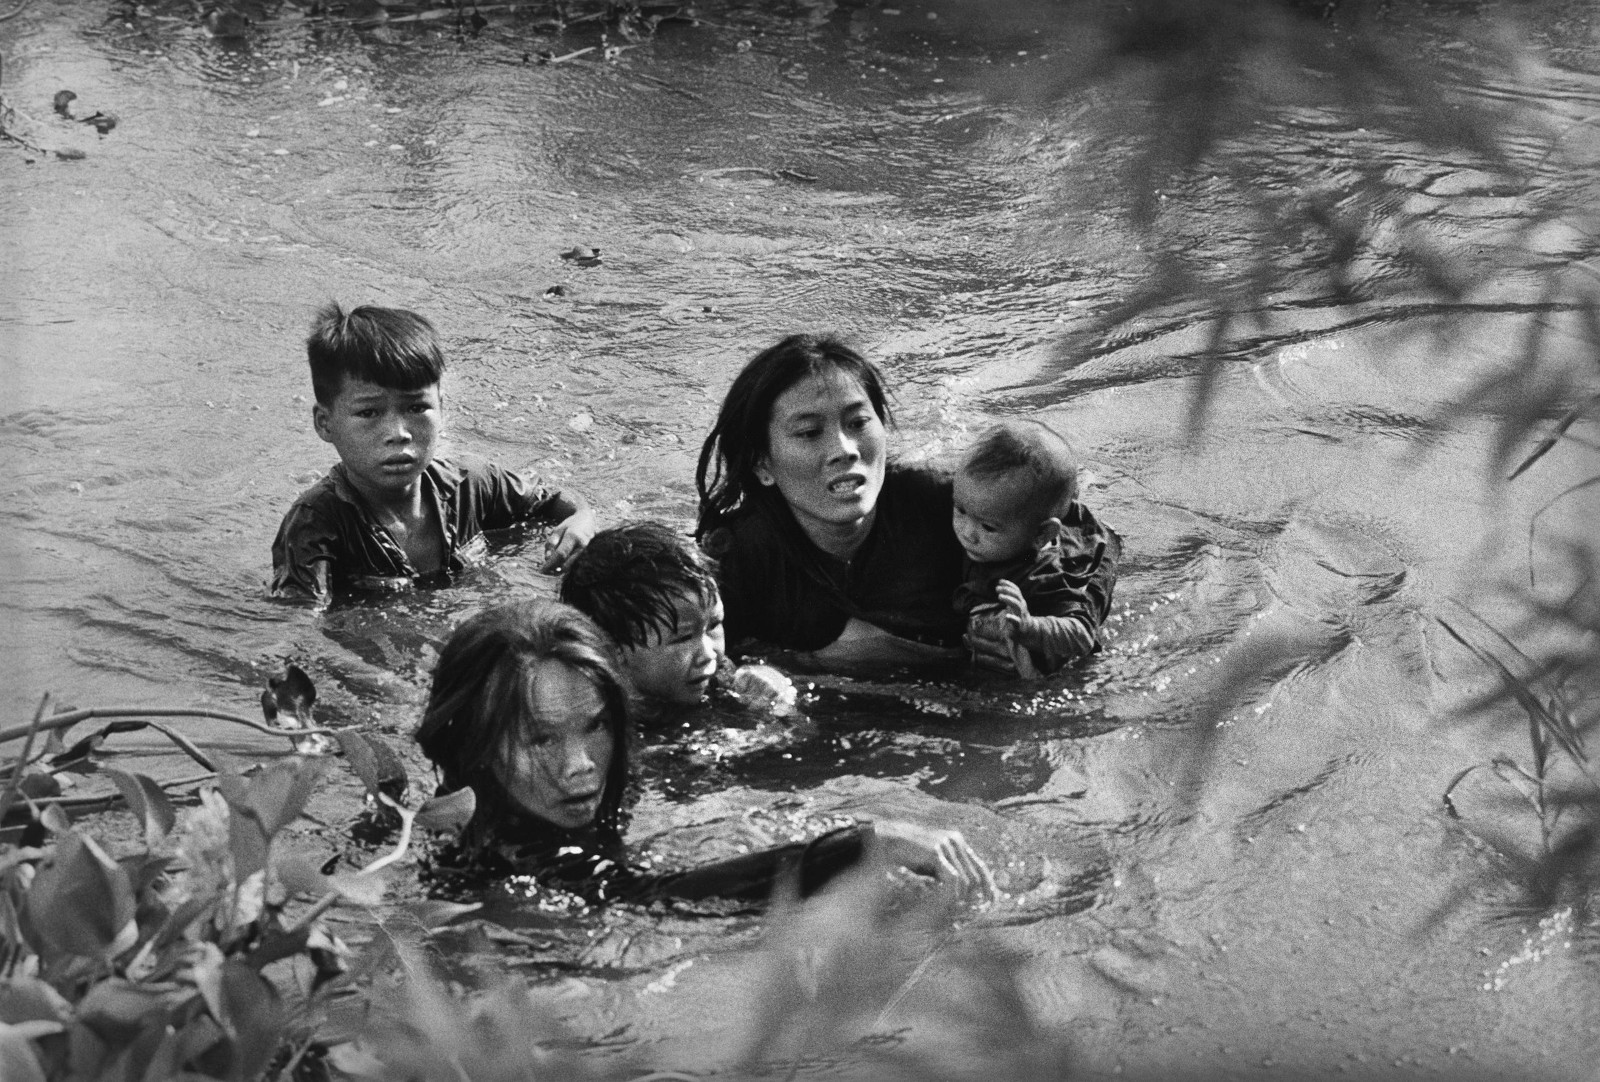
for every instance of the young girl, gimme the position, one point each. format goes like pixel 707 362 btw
pixel 529 708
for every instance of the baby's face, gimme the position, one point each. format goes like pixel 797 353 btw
pixel 678 662
pixel 991 519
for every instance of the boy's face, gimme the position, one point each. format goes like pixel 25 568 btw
pixel 384 437
pixel 991 517
pixel 678 662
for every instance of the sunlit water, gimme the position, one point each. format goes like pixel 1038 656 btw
pixel 824 168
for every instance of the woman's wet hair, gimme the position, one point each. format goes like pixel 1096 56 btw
pixel 390 347
pixel 481 700
pixel 629 580
pixel 726 475
pixel 1035 451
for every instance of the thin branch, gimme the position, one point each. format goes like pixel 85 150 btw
pixel 66 721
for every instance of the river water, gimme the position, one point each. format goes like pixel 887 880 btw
pixel 1223 841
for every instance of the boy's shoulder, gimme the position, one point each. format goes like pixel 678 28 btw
pixel 330 491
pixel 459 468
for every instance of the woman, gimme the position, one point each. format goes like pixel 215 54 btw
pixel 529 709
pixel 824 545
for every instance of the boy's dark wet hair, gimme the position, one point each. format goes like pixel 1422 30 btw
pixel 629 578
pixel 390 347
pixel 726 474
pixel 480 703
pixel 1038 451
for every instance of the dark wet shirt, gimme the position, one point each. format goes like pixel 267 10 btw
pixel 1072 577
pixel 591 864
pixel 331 540
pixel 779 588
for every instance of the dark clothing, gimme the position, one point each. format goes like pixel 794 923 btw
pixel 330 539
pixel 1067 585
pixel 590 863
pixel 779 588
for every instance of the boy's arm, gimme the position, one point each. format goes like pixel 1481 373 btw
pixel 516 498
pixel 572 531
pixel 302 556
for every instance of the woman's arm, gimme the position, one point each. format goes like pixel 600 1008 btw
pixel 940 854
pixel 864 643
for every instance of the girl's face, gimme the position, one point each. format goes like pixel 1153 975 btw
pixel 825 453
pixel 556 766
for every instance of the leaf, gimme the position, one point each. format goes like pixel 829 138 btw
pixel 28 999
pixel 254 1020
pixel 361 888
pixel 273 798
pixel 301 873
pixel 117 1009
pixel 451 811
pixel 356 1062
pixel 433 913
pixel 148 802
pixel 17 1061
pixel 81 903
pixel 248 844
pixel 363 761
pixel 55 820
pixel 277 945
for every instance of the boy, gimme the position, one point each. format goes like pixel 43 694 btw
pixel 655 593
pixel 1032 549
pixel 390 510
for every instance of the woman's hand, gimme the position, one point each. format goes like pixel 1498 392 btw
pixel 943 854
pixel 568 537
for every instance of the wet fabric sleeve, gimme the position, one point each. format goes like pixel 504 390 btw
pixel 1069 591
pixel 304 552
pixel 751 877
pixel 496 498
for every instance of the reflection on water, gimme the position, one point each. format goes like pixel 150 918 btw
pixel 856 168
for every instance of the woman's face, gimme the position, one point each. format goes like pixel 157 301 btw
pixel 825 452
pixel 556 767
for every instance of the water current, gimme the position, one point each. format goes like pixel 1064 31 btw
pixel 878 171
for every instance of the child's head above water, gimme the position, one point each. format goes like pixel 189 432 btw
pixel 655 593
pixel 1012 488
pixel 376 375
pixel 528 708
pixel 386 347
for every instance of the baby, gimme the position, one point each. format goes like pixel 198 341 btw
pixel 655 593
pixel 1032 549
pixel 392 510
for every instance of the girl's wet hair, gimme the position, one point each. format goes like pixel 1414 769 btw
pixel 629 580
pixel 481 700
pixel 390 347
pixel 726 475
pixel 1034 450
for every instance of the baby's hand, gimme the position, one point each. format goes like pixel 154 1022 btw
pixel 764 684
pixel 1011 597
pixel 568 538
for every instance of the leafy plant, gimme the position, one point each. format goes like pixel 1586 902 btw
pixel 187 956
